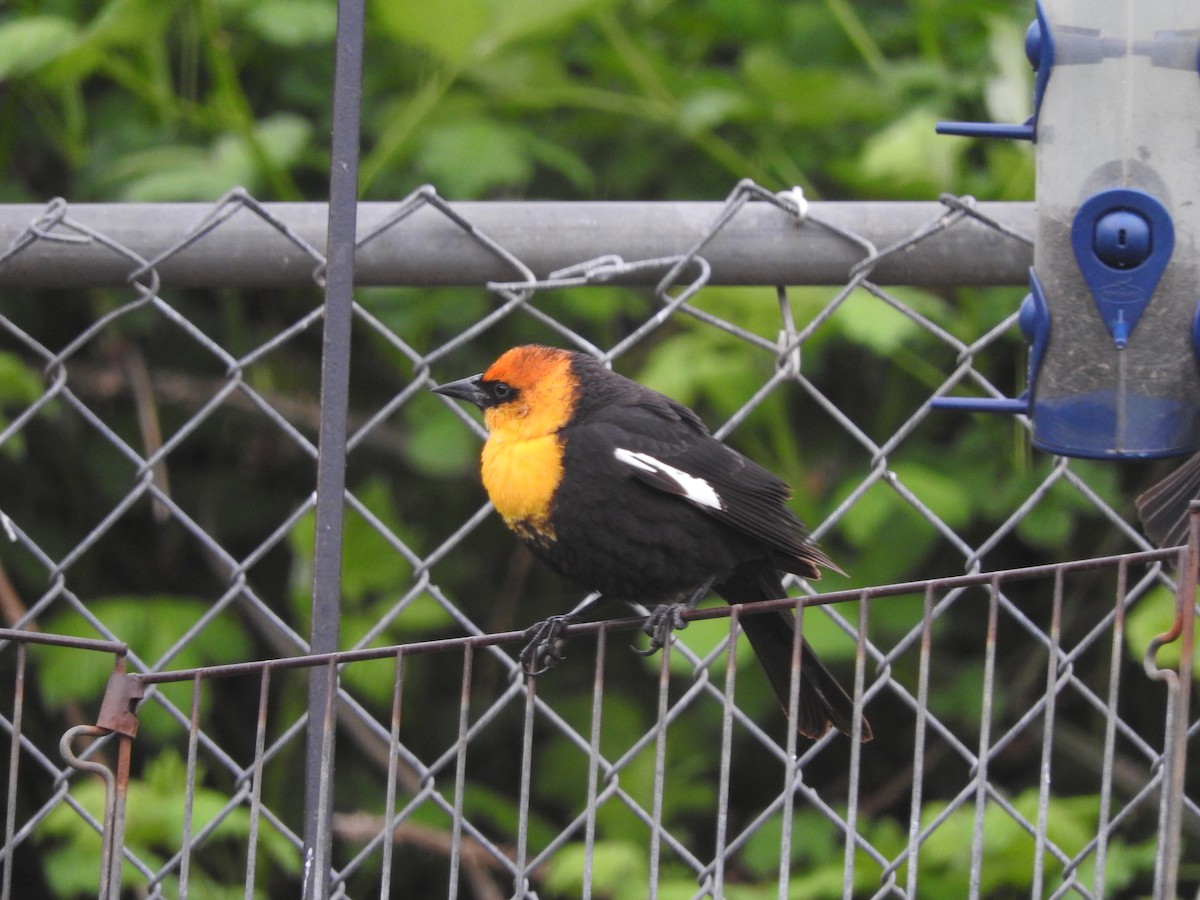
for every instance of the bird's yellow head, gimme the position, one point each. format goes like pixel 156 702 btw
pixel 527 396
pixel 530 393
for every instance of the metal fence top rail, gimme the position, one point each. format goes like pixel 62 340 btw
pixel 260 245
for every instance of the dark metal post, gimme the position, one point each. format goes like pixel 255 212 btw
pixel 1175 743
pixel 331 460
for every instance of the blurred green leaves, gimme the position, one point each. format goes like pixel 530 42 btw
pixel 152 626
pixel 19 388
pixel 485 97
pixel 294 23
pixel 154 832
pixel 29 44
pixel 185 172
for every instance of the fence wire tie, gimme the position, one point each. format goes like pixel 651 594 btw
pixel 597 267
pixel 966 204
pixel 41 229
pixel 599 270
pixel 55 215
pixel 795 198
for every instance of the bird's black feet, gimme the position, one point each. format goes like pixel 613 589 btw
pixel 544 644
pixel 666 618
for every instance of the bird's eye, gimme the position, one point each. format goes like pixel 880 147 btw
pixel 502 392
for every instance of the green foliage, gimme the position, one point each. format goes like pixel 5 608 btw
pixel 151 625
pixel 154 831
pixel 619 870
pixel 19 387
pixel 484 97
pixel 185 172
pixel 1009 850
pixel 294 23
pixel 29 44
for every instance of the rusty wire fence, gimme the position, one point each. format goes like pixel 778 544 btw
pixel 1068 769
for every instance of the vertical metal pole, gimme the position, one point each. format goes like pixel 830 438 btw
pixel 116 824
pixel 589 840
pixel 389 811
pixel 860 675
pixel 914 817
pixel 1116 660
pixel 660 771
pixel 726 766
pixel 985 742
pixel 521 887
pixel 460 770
pixel 1175 744
pixel 189 790
pixel 790 774
pixel 319 865
pixel 331 460
pixel 260 744
pixel 14 762
pixel 1043 818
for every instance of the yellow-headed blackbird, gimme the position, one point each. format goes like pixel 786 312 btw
pixel 623 491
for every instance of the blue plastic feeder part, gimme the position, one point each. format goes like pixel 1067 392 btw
pixel 1123 240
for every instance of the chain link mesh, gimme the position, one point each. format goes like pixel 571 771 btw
pixel 148 377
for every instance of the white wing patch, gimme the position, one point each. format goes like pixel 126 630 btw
pixel 690 487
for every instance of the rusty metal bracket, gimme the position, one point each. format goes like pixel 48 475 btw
pixel 121 697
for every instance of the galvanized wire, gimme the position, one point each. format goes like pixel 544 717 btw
pixel 418 783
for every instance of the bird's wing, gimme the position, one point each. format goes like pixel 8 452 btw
pixel 665 446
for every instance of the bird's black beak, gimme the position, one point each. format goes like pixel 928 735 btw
pixel 464 389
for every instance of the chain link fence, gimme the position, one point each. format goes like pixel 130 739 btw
pixel 195 409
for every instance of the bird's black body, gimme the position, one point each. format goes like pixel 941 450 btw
pixel 633 537
pixel 649 508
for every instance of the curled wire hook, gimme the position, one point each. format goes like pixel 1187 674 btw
pixel 1184 604
pixel 110 873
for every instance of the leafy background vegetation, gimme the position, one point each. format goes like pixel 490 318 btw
pixel 167 100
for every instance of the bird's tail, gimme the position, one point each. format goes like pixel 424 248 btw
pixel 1163 508
pixel 822 701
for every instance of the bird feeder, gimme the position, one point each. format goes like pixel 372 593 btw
pixel 1112 317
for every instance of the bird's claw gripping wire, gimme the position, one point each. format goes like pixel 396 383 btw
pixel 666 618
pixel 543 645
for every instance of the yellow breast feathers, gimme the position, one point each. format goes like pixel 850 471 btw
pixel 521 477
pixel 522 459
